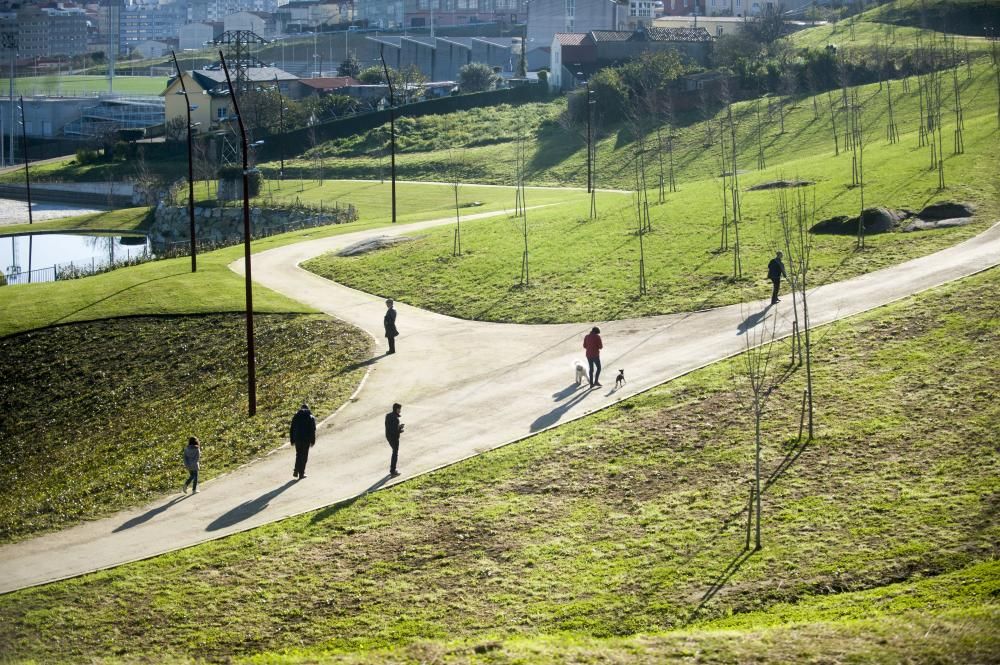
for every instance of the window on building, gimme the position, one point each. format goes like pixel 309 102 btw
pixel 571 8
pixel 718 31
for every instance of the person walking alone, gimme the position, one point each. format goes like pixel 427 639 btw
pixel 303 436
pixel 192 459
pixel 775 271
pixel 592 343
pixel 393 428
pixel 389 321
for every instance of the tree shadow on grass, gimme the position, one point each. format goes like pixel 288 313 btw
pixel 66 317
pixel 148 515
pixel 247 509
pixel 731 569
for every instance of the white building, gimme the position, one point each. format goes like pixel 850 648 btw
pixel 196 35
pixel 548 17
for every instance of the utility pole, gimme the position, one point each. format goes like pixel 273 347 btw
pixel 392 131
pixel 187 105
pixel 251 359
pixel 27 177
pixel 281 126
pixel 589 138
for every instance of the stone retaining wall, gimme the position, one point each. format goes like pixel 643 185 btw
pixel 224 226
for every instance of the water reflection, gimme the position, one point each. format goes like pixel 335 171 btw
pixel 47 257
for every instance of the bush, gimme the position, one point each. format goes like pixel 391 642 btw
pixel 87 156
pixel 476 77
pixel 255 179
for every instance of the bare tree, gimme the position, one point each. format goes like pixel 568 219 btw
pixel 761 164
pixel 723 166
pixel 734 190
pixel 833 123
pixel 759 343
pixel 456 249
pixel 891 130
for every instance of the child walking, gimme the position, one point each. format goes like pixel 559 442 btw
pixel 192 454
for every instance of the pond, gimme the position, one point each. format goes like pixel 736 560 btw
pixel 45 257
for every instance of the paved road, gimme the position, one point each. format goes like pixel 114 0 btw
pixel 466 387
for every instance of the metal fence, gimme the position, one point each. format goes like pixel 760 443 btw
pixel 73 269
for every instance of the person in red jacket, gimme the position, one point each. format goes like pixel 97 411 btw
pixel 592 343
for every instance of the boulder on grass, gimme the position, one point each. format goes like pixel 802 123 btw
pixel 780 184
pixel 876 220
pixel 947 210
pixel 372 244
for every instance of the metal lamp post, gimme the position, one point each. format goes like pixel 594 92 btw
pixel 27 176
pixel 187 105
pixel 251 359
pixel 392 131
pixel 281 127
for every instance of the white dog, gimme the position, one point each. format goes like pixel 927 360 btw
pixel 581 372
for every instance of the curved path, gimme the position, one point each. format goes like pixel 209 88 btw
pixel 466 387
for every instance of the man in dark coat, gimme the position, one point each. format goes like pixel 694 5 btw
pixel 775 271
pixel 393 428
pixel 303 437
pixel 389 321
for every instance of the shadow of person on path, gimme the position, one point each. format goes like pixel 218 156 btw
pixel 567 391
pixel 553 416
pixel 247 509
pixel 150 514
pixel 335 508
pixel 752 320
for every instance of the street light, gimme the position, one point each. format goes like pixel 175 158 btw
pixel 251 359
pixel 281 126
pixel 187 105
pixel 27 183
pixel 392 130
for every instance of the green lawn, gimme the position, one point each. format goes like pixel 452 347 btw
pixel 588 270
pixel 73 84
pixel 93 416
pixel 620 535
pixel 868 32
pixel 169 287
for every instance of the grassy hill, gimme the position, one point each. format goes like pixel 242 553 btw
pixel 588 269
pixel 621 535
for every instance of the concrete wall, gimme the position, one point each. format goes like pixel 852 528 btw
pixel 450 57
pixel 45 117
pixel 223 226
pixel 494 54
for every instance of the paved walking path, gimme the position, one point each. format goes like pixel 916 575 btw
pixel 466 387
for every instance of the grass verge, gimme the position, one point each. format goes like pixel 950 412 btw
pixel 93 416
pixel 629 521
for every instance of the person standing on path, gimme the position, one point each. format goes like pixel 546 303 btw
pixel 775 271
pixel 192 458
pixel 393 428
pixel 592 343
pixel 389 321
pixel 303 436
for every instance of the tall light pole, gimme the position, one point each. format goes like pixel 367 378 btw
pixel 281 126
pixel 251 359
pixel 27 177
pixel 590 150
pixel 27 183
pixel 187 106
pixel 392 130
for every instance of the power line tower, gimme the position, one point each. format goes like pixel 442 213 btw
pixel 241 48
